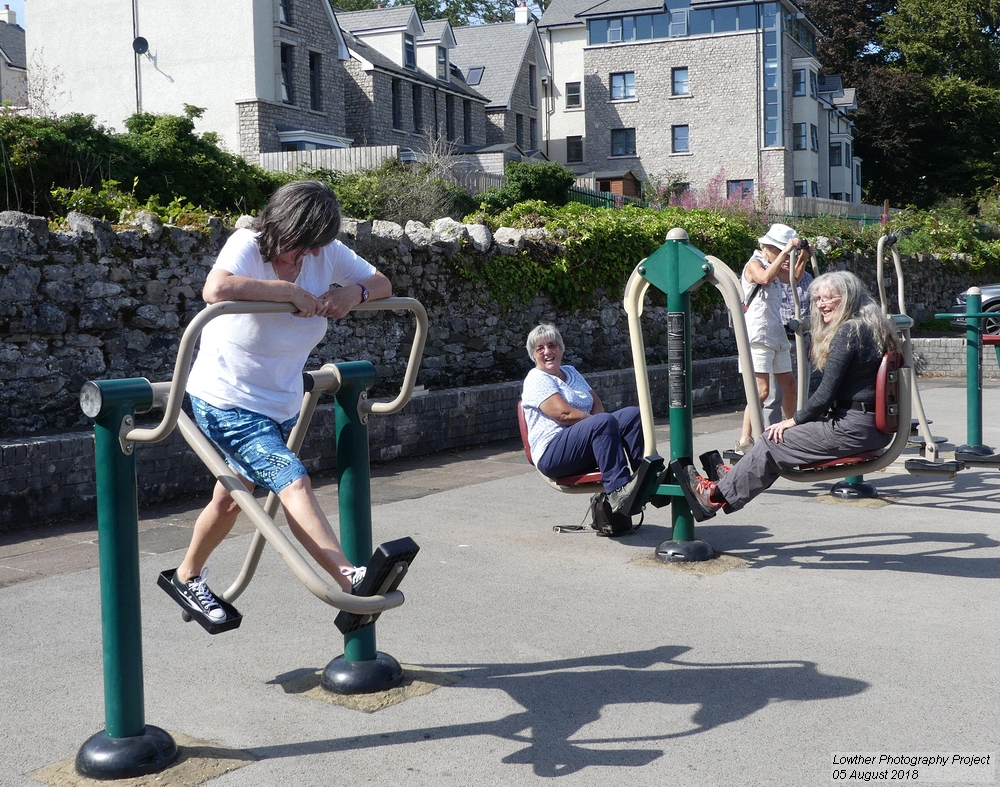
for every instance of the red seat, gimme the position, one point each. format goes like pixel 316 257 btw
pixel 567 481
pixel 844 460
pixel 992 339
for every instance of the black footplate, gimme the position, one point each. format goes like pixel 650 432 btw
pixel 233 617
pixel 385 571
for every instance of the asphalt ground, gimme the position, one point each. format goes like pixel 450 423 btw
pixel 825 628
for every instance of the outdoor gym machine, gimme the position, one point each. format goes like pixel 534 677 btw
pixel 129 747
pixel 677 269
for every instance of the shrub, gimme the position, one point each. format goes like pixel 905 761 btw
pixel 396 192
pixel 526 182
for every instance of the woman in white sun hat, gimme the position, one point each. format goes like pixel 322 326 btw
pixel 769 345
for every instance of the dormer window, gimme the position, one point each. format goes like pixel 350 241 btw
pixel 442 64
pixel 409 52
pixel 285 12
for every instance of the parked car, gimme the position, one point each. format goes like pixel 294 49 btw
pixel 991 303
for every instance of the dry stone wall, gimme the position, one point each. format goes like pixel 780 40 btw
pixel 97 302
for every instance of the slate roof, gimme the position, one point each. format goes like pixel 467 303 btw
pixel 499 50
pixel 374 19
pixel 383 63
pixel 608 7
pixel 433 30
pixel 564 12
pixel 12 44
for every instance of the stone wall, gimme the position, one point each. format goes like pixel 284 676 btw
pixel 98 302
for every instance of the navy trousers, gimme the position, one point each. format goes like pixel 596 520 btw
pixel 608 441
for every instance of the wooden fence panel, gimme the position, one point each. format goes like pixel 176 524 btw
pixel 338 159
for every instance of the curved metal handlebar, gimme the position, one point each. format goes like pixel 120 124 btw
pixel 185 351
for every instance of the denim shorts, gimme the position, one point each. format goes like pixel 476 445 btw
pixel 253 444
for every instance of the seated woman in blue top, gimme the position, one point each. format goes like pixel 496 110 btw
pixel 568 430
pixel 849 337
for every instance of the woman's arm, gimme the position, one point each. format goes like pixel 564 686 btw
pixel 221 285
pixel 560 411
pixel 338 301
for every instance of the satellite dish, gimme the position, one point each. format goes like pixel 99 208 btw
pixel 140 46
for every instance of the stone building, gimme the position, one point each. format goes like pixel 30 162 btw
pixel 506 62
pixel 13 60
pixel 268 73
pixel 697 92
pixel 403 88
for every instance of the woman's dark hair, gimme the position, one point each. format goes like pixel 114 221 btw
pixel 303 214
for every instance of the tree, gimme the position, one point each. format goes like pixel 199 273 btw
pixel 927 77
pixel 458 12
pixel 947 38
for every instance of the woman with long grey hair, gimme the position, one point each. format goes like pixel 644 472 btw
pixel 850 337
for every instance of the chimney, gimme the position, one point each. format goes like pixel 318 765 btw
pixel 8 16
pixel 521 14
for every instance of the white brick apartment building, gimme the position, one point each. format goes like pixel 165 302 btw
pixel 701 89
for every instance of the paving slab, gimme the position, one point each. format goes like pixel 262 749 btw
pixel 827 627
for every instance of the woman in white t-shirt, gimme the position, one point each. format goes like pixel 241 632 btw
pixel 568 430
pixel 246 383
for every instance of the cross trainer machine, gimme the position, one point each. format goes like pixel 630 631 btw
pixel 677 268
pixel 129 747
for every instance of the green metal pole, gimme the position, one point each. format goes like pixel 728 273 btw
pixel 118 544
pixel 361 669
pixel 679 359
pixel 354 486
pixel 974 447
pixel 974 363
pixel 128 746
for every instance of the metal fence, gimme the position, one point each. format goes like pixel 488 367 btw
pixel 603 199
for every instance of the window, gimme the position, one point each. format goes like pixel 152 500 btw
pixel 614 30
pixel 679 81
pixel 813 85
pixel 814 137
pixel 409 52
pixel 857 174
pixel 739 189
pixel 475 76
pixel 574 98
pixel 623 142
pixel 847 155
pixel 623 86
pixel 836 154
pixel 442 64
pixel 467 122
pixel 532 133
pixel 519 130
pixel 836 195
pixel 799 82
pixel 397 104
pixel 285 12
pixel 679 139
pixel 574 150
pixel 678 23
pixel 532 85
pixel 287 95
pixel 800 188
pixel 798 136
pixel 315 82
pixel 418 109
pixel 815 188
pixel 449 116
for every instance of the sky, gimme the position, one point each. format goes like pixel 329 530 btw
pixel 17 6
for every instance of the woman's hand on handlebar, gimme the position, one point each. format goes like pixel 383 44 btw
pixel 776 432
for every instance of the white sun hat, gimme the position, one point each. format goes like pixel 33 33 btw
pixel 778 235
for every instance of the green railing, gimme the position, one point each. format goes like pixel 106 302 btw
pixel 603 199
